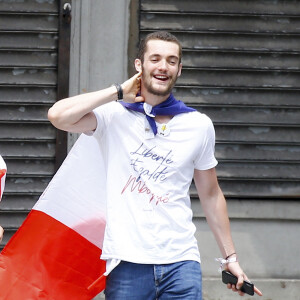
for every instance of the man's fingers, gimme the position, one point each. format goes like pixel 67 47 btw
pixel 137 80
pixel 240 282
pixel 131 87
pixel 257 291
pixel 139 99
pixel 137 76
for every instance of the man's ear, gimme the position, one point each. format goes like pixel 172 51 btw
pixel 179 69
pixel 138 65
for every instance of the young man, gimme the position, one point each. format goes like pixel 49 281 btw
pixel 2 183
pixel 154 146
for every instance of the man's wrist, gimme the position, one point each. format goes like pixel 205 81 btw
pixel 231 255
pixel 119 91
pixel 226 261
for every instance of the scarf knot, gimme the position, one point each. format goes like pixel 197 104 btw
pixel 170 107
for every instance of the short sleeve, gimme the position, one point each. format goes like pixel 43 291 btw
pixel 205 158
pixel 103 116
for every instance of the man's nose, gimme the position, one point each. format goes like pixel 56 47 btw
pixel 163 65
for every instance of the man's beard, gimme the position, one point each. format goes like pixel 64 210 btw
pixel 158 92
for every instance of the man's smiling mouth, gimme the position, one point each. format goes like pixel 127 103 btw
pixel 161 77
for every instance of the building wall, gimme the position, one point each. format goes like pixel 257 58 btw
pixel 29 76
pixel 266 232
pixel 98 46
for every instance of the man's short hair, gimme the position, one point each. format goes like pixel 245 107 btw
pixel 157 35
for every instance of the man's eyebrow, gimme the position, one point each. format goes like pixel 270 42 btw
pixel 154 55
pixel 174 56
pixel 170 56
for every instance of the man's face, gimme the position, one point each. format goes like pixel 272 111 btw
pixel 161 67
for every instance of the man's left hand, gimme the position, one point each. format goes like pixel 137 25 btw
pixel 236 270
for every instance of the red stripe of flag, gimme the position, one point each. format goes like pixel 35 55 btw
pixel 45 259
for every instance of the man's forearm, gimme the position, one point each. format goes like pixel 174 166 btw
pixel 65 113
pixel 74 113
pixel 217 217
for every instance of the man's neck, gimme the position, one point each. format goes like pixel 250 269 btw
pixel 154 100
pixel 163 119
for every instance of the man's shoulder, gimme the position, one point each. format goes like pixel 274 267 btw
pixel 197 118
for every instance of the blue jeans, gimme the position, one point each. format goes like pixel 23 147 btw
pixel 129 281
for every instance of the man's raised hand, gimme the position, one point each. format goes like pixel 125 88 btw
pixel 131 88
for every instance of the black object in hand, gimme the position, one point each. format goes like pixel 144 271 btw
pixel 247 287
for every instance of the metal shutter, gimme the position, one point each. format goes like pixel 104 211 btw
pixel 29 36
pixel 241 68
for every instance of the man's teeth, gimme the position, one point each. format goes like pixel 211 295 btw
pixel 161 77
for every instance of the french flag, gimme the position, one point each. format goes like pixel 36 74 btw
pixel 55 254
